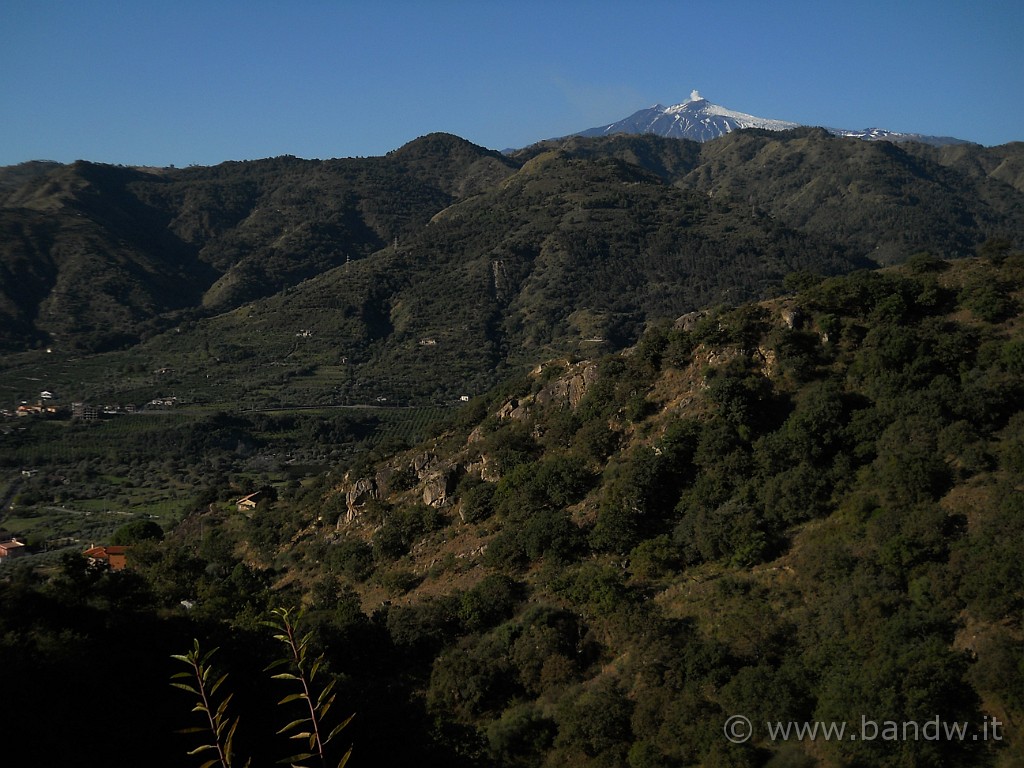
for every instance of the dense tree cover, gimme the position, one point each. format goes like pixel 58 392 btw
pixel 804 509
pixel 96 254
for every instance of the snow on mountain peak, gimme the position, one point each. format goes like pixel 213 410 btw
pixel 701 120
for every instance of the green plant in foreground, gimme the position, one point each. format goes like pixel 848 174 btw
pixel 303 672
pixel 301 669
pixel 220 726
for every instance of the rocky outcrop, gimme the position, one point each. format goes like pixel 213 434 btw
pixel 438 487
pixel 357 494
pixel 437 482
pixel 421 462
pixel 793 318
pixel 689 321
pixel 763 357
pixel 383 481
pixel 485 469
pixel 514 409
pixel 434 479
pixel 569 388
pixel 768 361
pixel 718 356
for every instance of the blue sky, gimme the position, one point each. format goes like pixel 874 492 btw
pixel 147 83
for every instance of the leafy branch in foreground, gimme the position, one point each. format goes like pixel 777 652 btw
pixel 220 726
pixel 303 672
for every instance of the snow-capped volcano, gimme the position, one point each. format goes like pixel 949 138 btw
pixel 696 118
pixel 700 120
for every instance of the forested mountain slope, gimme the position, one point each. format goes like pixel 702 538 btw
pixel 429 273
pixel 881 200
pixel 800 509
pixel 96 257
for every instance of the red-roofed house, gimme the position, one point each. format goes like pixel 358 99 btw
pixel 114 556
pixel 10 549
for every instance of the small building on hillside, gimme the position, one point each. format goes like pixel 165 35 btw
pixel 10 549
pixel 113 556
pixel 248 503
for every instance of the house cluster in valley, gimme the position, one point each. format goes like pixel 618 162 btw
pixel 47 405
pixel 112 556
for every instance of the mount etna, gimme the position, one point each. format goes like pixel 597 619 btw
pixel 700 120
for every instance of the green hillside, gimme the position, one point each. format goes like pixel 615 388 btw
pixel 802 509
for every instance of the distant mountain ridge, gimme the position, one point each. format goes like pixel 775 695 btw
pixel 698 119
pixel 434 270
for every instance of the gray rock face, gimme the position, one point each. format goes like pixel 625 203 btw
pixel 357 494
pixel 570 388
pixel 421 461
pixel 793 318
pixel 438 487
pixel 689 321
